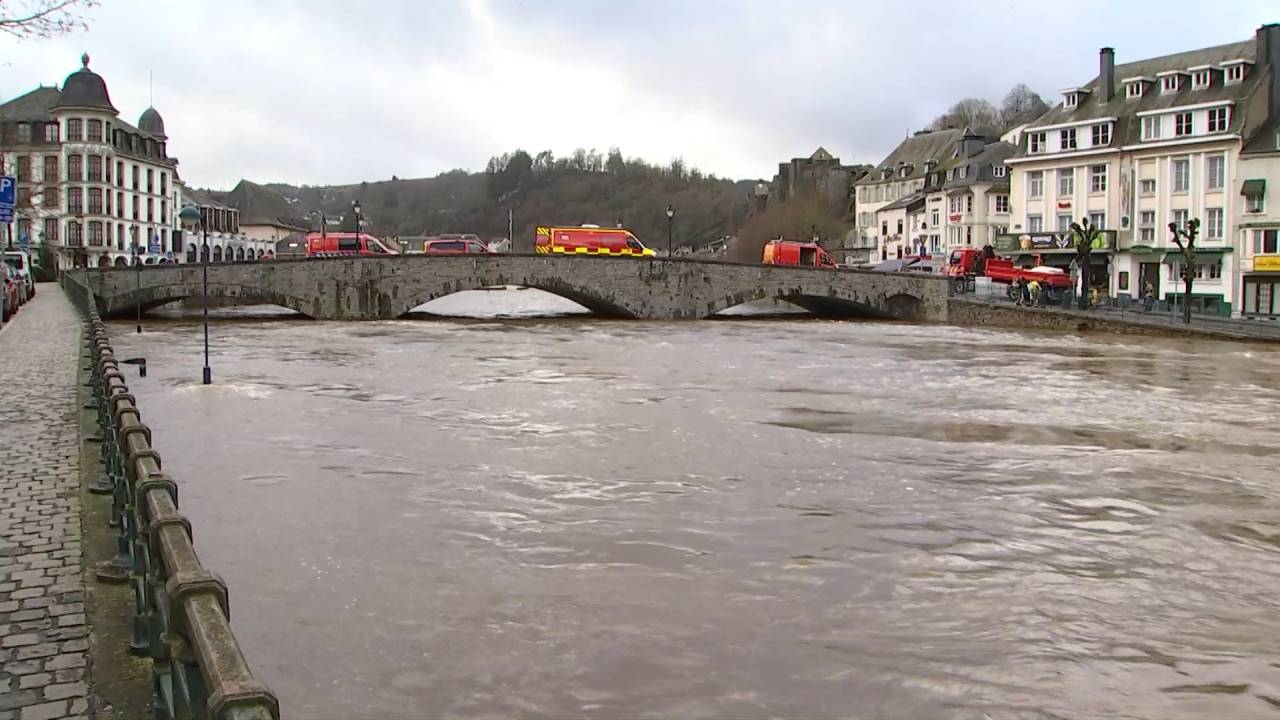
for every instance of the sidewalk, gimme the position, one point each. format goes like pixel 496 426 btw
pixel 44 639
pixel 1219 326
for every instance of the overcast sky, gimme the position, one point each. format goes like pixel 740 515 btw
pixel 335 91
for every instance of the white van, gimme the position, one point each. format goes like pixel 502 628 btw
pixel 19 261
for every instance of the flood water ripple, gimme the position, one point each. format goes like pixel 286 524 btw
pixel 580 518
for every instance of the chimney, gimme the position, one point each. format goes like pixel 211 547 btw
pixel 1267 59
pixel 971 144
pixel 1106 74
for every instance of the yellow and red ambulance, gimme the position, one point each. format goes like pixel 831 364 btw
pixel 588 240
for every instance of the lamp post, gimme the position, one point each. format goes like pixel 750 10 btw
pixel 671 215
pixel 191 219
pixel 137 266
pixel 355 208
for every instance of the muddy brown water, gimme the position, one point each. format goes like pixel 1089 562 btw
pixel 577 518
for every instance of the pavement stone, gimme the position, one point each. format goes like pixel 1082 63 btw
pixel 41 582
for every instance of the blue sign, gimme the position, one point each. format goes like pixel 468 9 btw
pixel 154 246
pixel 8 197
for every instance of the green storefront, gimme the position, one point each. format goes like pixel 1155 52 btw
pixel 1059 250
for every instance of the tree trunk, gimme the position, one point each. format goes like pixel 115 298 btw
pixel 1082 302
pixel 1186 298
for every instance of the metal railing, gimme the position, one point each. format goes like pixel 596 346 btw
pixel 181 613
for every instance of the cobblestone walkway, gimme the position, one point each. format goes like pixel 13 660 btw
pixel 44 641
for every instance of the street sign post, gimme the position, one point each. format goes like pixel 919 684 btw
pixel 8 197
pixel 154 246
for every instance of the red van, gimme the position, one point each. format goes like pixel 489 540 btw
pixel 588 240
pixel 345 244
pixel 787 252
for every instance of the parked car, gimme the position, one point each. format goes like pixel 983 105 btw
pixel 19 261
pixel 12 292
pixel 455 247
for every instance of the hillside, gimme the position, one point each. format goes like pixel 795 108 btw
pixel 585 188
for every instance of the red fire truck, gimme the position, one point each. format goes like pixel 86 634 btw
pixel 588 240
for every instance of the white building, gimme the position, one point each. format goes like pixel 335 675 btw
pixel 1259 226
pixel 226 241
pixel 90 186
pixel 1146 144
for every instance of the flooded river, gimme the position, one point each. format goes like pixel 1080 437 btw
pixel 580 518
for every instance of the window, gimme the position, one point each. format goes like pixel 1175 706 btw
pixel 1147 186
pixel 1147 234
pixel 164 213
pixel 50 135
pixel 1036 143
pixel 24 196
pixel 75 168
pixel 95 131
pixel 1169 83
pixel 22 169
pixel 884 228
pixel 951 174
pixel 1066 182
pixel 1123 280
pixel 1180 219
pixel 1180 169
pixel 1215 170
pixel 107 197
pixel 1254 203
pixel 1182 124
pixel 1213 223
pixel 1218 120
pixel 1064 222
pixel 1200 79
pixel 164 183
pixel 1070 100
pixel 75 201
pixel 1147 218
pixel 151 210
pixel 74 130
pixel 1101 134
pixel 1133 89
pixel 95 168
pixel 52 197
pixel 75 237
pixel 1266 242
pixel 899 226
pixel 1068 138
pixel 1035 223
pixel 998 171
pixel 51 229
pixel 1002 204
pixel 95 233
pixel 968 203
pixel 936 218
pixel 136 214
pixel 120 174
pixel 95 201
pixel 135 177
pixel 968 235
pixel 1035 184
pixel 151 181
pixel 1233 74
pixel 1098 220
pixel 119 204
pixel 1151 128
pixel 1098 178
pixel 964 172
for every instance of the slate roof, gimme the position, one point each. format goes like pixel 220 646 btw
pixel 32 107
pixel 1128 129
pixel 981 166
pixel 200 198
pixel 938 146
pixel 905 201
pixel 260 206
pixel 1266 140
pixel 151 122
pixel 86 89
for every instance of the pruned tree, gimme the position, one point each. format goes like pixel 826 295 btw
pixel 1084 234
pixel 1185 239
pixel 43 18
pixel 968 113
pixel 1021 104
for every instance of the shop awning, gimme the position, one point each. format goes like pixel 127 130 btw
pixel 1202 256
pixel 1143 250
pixel 1254 188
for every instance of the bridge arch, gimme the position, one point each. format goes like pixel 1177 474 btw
pixel 151 297
pixel 599 300
pixel 824 303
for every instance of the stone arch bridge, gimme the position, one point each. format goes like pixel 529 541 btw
pixel 369 288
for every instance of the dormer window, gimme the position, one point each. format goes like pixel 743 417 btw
pixel 964 172
pixel 1169 84
pixel 951 174
pixel 998 171
pixel 1036 143
pixel 1070 100
pixel 1233 72
pixel 1200 79
pixel 929 165
pixel 905 171
pixel 1134 89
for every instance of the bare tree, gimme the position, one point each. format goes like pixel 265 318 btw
pixel 968 113
pixel 1085 235
pixel 1021 104
pixel 1185 239
pixel 43 18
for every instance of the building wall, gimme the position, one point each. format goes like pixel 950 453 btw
pixel 1259 262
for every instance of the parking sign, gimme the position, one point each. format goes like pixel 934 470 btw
pixel 8 194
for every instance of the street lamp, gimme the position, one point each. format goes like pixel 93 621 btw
pixel 137 263
pixel 192 218
pixel 355 208
pixel 671 214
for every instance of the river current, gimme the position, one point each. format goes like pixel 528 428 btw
pixel 571 517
